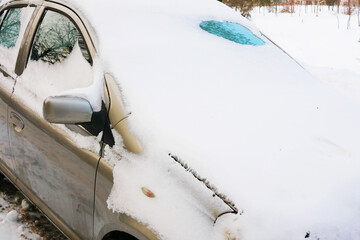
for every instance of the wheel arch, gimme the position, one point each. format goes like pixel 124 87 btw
pixel 118 235
pixel 125 228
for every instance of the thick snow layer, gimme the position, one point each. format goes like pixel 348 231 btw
pixel 73 76
pixel 51 80
pixel 176 212
pixel 280 143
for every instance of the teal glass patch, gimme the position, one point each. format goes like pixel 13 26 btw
pixel 232 31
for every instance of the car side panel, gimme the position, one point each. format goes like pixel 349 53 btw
pixel 107 221
pixel 5 151
pixel 57 172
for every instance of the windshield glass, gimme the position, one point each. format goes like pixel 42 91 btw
pixel 232 31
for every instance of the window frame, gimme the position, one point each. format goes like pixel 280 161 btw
pixel 5 8
pixel 45 12
pixel 20 4
pixel 5 11
pixel 25 50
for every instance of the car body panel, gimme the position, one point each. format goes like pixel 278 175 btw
pixel 5 151
pixel 105 220
pixel 62 179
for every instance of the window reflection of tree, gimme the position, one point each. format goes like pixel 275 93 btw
pixel 55 39
pixel 10 29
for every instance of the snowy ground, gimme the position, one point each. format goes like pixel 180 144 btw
pixel 20 220
pixel 323 44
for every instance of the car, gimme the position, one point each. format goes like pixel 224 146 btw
pixel 106 109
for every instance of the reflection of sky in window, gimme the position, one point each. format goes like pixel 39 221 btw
pixel 232 31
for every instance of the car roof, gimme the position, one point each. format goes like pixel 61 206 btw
pixel 66 4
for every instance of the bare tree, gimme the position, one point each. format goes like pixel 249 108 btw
pixel 349 12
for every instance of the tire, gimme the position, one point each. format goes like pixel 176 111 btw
pixel 119 236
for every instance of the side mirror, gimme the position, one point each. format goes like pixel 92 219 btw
pixel 67 110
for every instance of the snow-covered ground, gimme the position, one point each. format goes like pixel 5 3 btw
pixel 10 226
pixel 19 220
pixel 324 42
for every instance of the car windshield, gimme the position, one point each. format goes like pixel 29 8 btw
pixel 232 31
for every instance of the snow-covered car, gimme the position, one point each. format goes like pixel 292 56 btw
pixel 108 107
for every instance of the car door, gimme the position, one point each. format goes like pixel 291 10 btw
pixel 13 22
pixel 49 159
pixel 6 86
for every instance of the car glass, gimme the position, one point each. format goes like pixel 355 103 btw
pixel 14 23
pixel 56 38
pixel 10 29
pixel 232 31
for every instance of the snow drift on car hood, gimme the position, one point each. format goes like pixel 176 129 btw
pixel 281 144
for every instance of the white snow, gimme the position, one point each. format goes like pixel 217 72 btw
pixel 330 51
pixel 10 226
pixel 282 144
pixel 74 76
pixel 51 80
pixel 323 42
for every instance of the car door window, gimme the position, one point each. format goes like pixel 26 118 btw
pixel 56 38
pixel 59 61
pixel 12 31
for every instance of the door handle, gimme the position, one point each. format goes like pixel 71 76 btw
pixel 17 123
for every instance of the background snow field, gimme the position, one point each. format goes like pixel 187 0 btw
pixel 327 44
